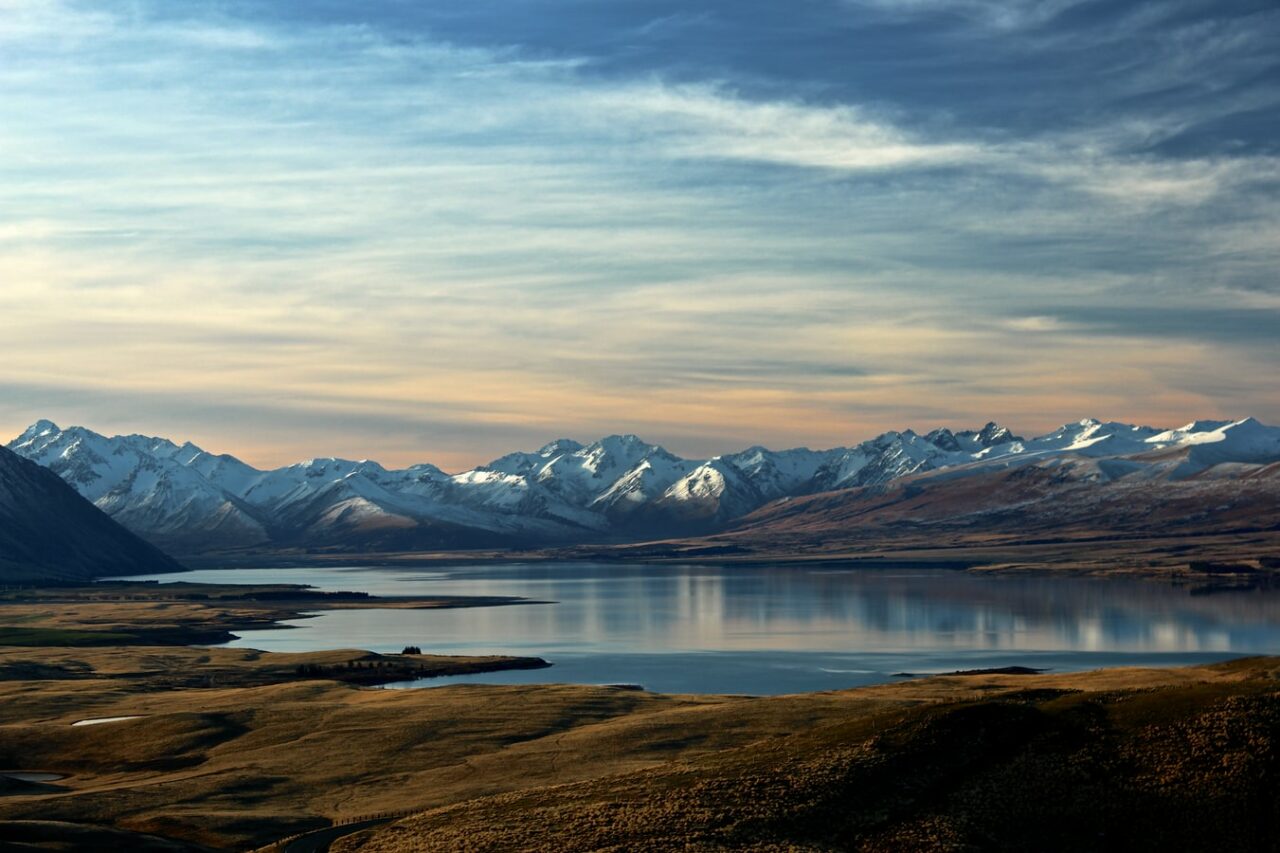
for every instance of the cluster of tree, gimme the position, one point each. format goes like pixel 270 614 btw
pixel 315 670
pixel 411 650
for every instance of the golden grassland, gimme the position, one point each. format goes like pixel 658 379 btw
pixel 232 749
pixel 1123 760
pixel 112 618
pixel 149 613
pixel 573 767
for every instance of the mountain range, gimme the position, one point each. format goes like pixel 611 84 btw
pixel 1208 489
pixel 619 488
pixel 49 532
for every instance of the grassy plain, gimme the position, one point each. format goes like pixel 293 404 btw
pixel 231 749
pixel 1118 760
pixel 945 761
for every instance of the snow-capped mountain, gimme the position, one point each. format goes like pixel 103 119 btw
pixel 48 532
pixel 1088 482
pixel 158 489
pixel 616 488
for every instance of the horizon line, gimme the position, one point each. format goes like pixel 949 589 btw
pixel 1018 436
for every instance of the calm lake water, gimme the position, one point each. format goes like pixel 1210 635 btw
pixel 767 631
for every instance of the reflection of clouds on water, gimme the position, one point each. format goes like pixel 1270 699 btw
pixel 704 629
pixel 741 610
pixel 623 608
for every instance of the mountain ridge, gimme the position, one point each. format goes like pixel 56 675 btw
pixel 49 532
pixel 618 488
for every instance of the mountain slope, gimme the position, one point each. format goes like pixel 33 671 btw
pixel 1061 496
pixel 173 495
pixel 622 488
pixel 48 532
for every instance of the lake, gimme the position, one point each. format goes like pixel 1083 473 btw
pixel 769 630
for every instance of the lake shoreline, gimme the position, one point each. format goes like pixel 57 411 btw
pixel 119 614
pixel 298 742
pixel 757 630
pixel 1165 559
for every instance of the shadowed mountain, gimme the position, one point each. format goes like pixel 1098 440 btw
pixel 48 532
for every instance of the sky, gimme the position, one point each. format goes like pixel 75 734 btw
pixel 425 230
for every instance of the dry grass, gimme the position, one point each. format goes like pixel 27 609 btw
pixel 233 750
pixel 516 767
pixel 1113 761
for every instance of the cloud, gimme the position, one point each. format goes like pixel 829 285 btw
pixel 1225 324
pixel 999 14
pixel 371 236
pixel 707 122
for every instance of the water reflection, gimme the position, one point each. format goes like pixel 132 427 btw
pixel 735 630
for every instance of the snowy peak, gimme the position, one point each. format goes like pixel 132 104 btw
pixel 529 463
pixel 898 454
pixel 145 483
pixel 37 430
pixel 775 474
pixel 1206 444
pixel 614 475
pixel 1210 441
pixel 720 490
pixel 559 446
pixel 1197 428
pixel 425 471
pixel 645 482
pixel 567 491
pixel 519 463
pixel 1092 437
pixel 1243 433
pixel 944 439
pixel 993 434
pixel 616 452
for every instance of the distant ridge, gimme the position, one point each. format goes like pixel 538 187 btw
pixel 48 532
pixel 619 488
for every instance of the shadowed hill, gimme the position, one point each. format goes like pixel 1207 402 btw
pixel 1141 759
pixel 48 532
pixel 1046 768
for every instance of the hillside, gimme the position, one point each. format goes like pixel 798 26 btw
pixel 622 489
pixel 1128 759
pixel 1063 764
pixel 48 532
pixel 1063 497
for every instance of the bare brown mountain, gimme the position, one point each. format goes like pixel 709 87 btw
pixel 48 532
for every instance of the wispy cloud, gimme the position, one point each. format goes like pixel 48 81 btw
pixel 1001 14
pixel 378 237
pixel 707 122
